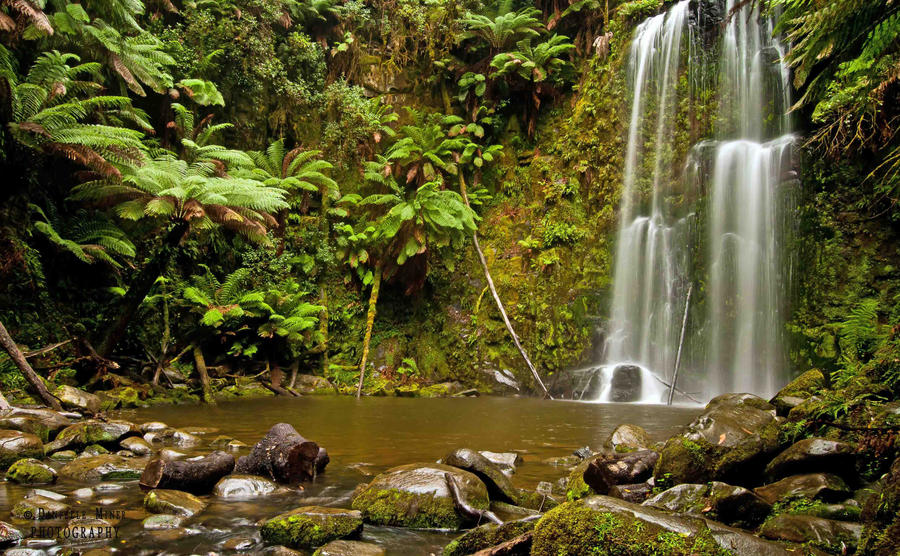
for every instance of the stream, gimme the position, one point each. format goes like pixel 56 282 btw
pixel 363 437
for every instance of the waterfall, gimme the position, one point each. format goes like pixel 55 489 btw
pixel 734 341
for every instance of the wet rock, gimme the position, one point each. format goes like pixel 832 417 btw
pixel 310 385
pixel 827 534
pixel 813 486
pixel 626 384
pixel 536 500
pixel 814 455
pixel 31 471
pixel 441 390
pixel 153 426
pixel 508 512
pixel 583 453
pixel 162 521
pixel 38 508
pixel 488 535
pixel 498 484
pixel 732 505
pixel 506 461
pixel 175 502
pixel 159 436
pixel 63 455
pixel 312 526
pixel 109 487
pixel 220 442
pixel 55 421
pixel 280 551
pixel 628 438
pixel 82 493
pixel 239 543
pixel 136 445
pixel 89 530
pixel 25 423
pixel 15 445
pixel 731 441
pixel 167 453
pixel 25 552
pixel 185 439
pixel 85 433
pixel 119 397
pixel 244 486
pixel 109 467
pixel 350 548
pixel 79 400
pixel 563 461
pixel 93 450
pixel 606 470
pixel 605 525
pixel 9 535
pixel 635 493
pixel 416 495
pixel 798 390
pixel 46 494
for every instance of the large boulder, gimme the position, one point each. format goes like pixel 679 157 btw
pixel 312 526
pixel 29 424
pixel 417 495
pixel 605 525
pixel 15 445
pixel 106 467
pixel 488 535
pixel 85 433
pixel 814 455
pixel 731 441
pixel 626 384
pixel 812 486
pixel 498 484
pixel 607 470
pixel 79 400
pixel 833 536
pixel 798 390
pixel 628 438
pixel 30 471
pixel 729 504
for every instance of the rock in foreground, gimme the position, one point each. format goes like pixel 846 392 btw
pixel 312 526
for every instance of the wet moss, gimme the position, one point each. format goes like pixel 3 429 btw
pixel 486 536
pixel 405 509
pixel 30 471
pixel 309 527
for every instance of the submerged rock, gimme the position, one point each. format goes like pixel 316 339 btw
pixel 628 438
pixel 39 508
pixel 814 455
pixel 813 486
pixel 31 471
pixel 731 441
pixel 488 535
pixel 312 526
pixel 175 502
pixel 605 525
pixel 416 495
pixel 109 467
pixel 729 504
pixel 498 484
pixel 162 521
pixel 15 445
pixel 350 548
pixel 79 400
pixel 9 535
pixel 244 486
pixel 827 534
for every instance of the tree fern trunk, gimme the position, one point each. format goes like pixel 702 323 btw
pixel 32 377
pixel 140 287
pixel 370 322
pixel 200 364
pixel 496 296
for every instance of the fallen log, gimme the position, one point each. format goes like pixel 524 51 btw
pixel 284 456
pixel 195 476
pixel 473 514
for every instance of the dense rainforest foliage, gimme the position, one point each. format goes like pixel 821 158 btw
pixel 223 189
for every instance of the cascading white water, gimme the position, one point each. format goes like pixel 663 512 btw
pixel 737 333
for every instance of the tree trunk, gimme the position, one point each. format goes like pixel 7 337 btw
pixel 284 456
pixel 32 377
pixel 276 377
pixel 370 322
pixel 194 476
pixel 167 334
pixel 496 296
pixel 140 287
pixel 200 364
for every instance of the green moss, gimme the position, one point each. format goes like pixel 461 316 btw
pixel 393 507
pixel 576 488
pixel 486 536
pixel 573 528
pixel 30 471
pixel 309 527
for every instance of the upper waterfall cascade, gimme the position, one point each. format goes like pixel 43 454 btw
pixel 714 216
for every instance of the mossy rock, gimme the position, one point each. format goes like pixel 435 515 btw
pixel 85 433
pixel 173 502
pixel 15 445
pixel 312 385
pixel 416 495
pixel 488 535
pixel 576 488
pixel 30 471
pixel 726 503
pixel 107 467
pixel 799 389
pixel 79 400
pixel 833 536
pixel 31 425
pixel 442 390
pixel 312 526
pixel 119 398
